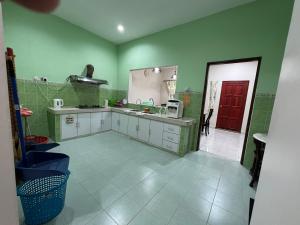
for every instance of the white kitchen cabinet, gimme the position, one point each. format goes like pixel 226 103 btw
pixel 68 124
pixel 133 124
pixel 156 133
pixel 175 138
pixel 96 119
pixel 115 120
pixel 172 128
pixel 83 124
pixel 143 129
pixel 174 147
pixel 123 124
pixel 100 121
pixel 106 121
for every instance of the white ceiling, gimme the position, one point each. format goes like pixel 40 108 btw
pixel 139 17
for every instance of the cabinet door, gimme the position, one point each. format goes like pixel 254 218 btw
pixel 133 126
pixel 106 121
pixel 171 146
pixel 156 133
pixel 123 123
pixel 115 121
pixel 84 124
pixel 143 131
pixel 68 124
pixel 95 122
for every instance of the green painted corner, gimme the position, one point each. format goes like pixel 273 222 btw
pixel 193 110
pixel 184 141
pixel 54 126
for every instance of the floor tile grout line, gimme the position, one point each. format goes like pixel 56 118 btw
pixel 213 200
pixel 129 191
pixel 145 205
pixel 107 213
pixel 125 193
pixel 171 175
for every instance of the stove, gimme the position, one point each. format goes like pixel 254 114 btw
pixel 89 106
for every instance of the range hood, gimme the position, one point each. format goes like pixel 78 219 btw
pixel 86 80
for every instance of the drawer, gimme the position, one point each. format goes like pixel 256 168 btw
pixel 171 146
pixel 172 128
pixel 171 137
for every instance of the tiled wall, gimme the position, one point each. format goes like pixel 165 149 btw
pixel 260 122
pixel 39 96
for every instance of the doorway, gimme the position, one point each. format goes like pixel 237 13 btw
pixel 227 104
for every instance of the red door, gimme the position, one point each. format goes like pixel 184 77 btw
pixel 232 105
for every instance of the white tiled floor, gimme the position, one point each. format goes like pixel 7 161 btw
pixel 223 143
pixel 116 181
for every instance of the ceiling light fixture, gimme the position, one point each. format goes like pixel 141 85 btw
pixel 121 28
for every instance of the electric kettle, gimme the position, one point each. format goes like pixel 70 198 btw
pixel 58 103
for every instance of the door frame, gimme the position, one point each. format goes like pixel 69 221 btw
pixel 241 60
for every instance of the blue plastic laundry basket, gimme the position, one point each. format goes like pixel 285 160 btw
pixel 43 198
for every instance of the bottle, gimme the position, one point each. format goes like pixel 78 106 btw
pixel 106 103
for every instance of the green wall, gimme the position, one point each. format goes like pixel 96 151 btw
pixel 256 29
pixel 46 45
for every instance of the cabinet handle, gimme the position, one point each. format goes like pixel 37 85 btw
pixel 149 132
pixel 119 122
pixel 77 124
pixel 137 127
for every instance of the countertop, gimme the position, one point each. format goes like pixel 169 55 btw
pixel 261 137
pixel 162 118
pixel 69 110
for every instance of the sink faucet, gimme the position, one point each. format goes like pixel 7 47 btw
pixel 138 100
pixel 152 100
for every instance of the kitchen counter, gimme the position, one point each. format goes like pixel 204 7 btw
pixel 71 110
pixel 162 118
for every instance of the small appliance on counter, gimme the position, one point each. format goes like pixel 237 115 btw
pixel 174 109
pixel 58 103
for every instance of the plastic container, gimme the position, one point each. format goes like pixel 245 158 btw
pixel 43 198
pixel 33 140
pixel 42 164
